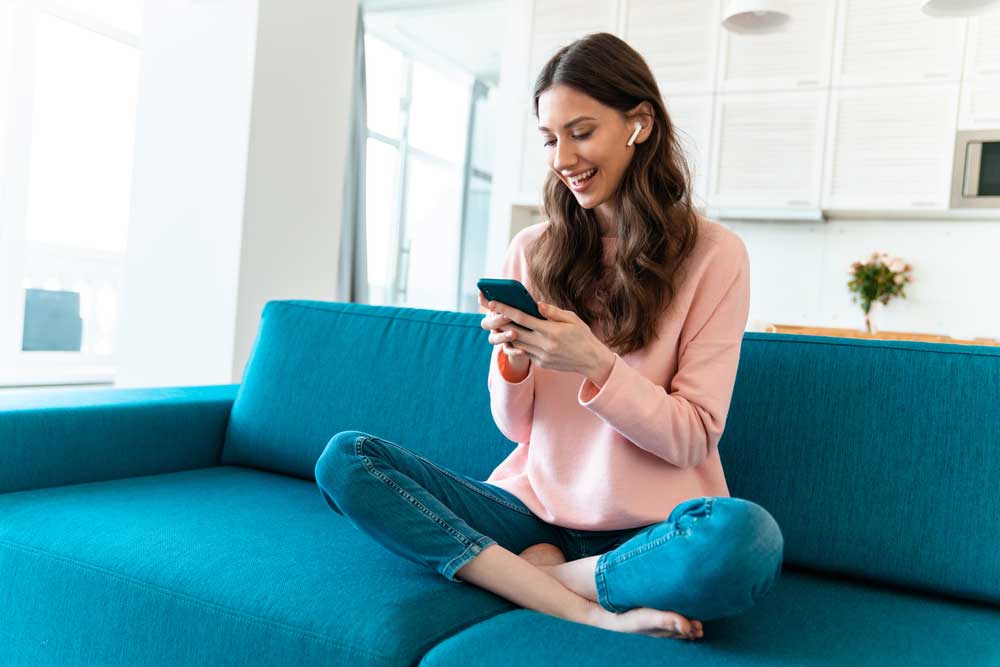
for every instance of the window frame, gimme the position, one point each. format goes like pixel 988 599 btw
pixel 19 367
pixel 397 279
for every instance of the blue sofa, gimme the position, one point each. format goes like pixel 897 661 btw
pixel 183 525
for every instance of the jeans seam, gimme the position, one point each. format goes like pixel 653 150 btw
pixel 658 541
pixel 602 569
pixel 602 592
pixel 475 548
pixel 461 481
pixel 416 504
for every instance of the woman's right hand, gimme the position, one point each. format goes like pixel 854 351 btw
pixel 502 332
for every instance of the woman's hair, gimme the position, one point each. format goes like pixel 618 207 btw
pixel 658 225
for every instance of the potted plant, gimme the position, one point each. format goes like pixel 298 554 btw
pixel 879 279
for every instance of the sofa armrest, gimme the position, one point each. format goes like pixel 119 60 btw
pixel 51 438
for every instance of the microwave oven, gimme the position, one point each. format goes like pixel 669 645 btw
pixel 975 180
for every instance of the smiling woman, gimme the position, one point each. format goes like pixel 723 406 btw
pixel 617 463
pixel 615 169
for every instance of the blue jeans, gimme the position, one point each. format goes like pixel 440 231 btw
pixel 713 557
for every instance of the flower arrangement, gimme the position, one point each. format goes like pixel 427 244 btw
pixel 878 279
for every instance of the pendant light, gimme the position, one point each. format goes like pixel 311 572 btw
pixel 756 16
pixel 958 8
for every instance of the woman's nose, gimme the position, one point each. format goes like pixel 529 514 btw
pixel 563 157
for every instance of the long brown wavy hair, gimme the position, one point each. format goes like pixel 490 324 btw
pixel 657 222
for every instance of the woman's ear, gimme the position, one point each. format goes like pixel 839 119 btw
pixel 641 113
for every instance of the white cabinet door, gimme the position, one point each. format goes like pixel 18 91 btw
pixel 554 24
pixel 891 147
pixel 980 104
pixel 796 58
pixel 691 116
pixel 892 41
pixel 767 150
pixel 677 39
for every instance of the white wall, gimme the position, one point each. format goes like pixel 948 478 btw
pixel 241 134
pixel 799 274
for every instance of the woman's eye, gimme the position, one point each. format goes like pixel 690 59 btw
pixel 575 136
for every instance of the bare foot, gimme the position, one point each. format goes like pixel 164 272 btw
pixel 648 621
pixel 543 555
pixel 642 620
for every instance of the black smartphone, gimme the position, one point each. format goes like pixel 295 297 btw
pixel 512 293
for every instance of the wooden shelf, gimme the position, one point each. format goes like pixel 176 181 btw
pixel 881 335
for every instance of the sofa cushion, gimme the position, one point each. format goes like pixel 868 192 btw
pixel 217 566
pixel 806 619
pixel 878 458
pixel 412 376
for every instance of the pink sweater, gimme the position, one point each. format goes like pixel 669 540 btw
pixel 625 454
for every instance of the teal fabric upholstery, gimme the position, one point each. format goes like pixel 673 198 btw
pixel 217 566
pixel 183 525
pixel 878 458
pixel 807 620
pixel 412 376
pixel 52 437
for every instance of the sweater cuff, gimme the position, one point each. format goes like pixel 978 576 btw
pixel 502 364
pixel 597 398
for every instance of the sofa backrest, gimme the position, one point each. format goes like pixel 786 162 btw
pixel 412 376
pixel 879 459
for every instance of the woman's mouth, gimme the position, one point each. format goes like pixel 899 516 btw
pixel 583 181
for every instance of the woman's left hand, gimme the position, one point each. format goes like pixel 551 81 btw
pixel 561 342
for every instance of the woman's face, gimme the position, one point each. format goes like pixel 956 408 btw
pixel 582 137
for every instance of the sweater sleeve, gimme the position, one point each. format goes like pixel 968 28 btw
pixel 512 403
pixel 684 426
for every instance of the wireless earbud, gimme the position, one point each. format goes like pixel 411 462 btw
pixel 631 140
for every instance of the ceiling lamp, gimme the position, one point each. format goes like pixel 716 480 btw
pixel 755 16
pixel 957 8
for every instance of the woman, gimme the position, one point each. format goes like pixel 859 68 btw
pixel 613 509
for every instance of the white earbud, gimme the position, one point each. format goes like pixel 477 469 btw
pixel 631 140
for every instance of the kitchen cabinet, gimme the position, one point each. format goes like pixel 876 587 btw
pixel 767 150
pixel 678 40
pixel 893 42
pixel 890 147
pixel 796 58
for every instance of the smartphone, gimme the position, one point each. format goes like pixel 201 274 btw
pixel 512 293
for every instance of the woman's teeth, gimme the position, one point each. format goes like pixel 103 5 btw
pixel 584 177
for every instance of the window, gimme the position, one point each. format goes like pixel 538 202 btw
pixel 69 77
pixel 418 174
